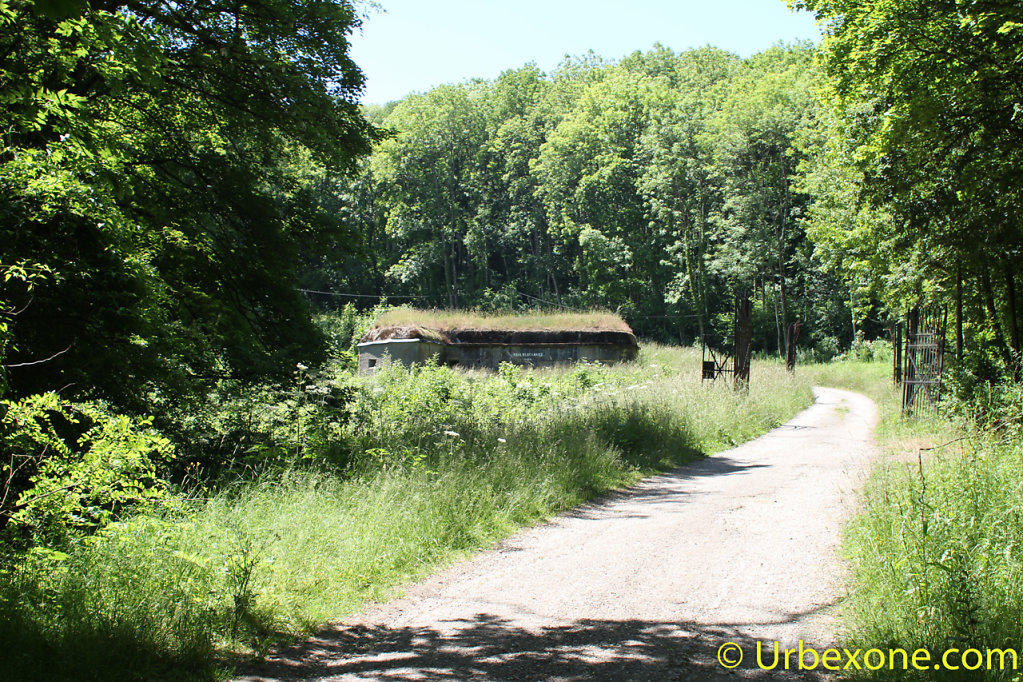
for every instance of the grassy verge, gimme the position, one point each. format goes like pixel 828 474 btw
pixel 937 550
pixel 440 463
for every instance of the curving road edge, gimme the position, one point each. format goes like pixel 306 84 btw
pixel 647 583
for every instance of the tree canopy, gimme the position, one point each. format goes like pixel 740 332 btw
pixel 158 162
pixel 659 185
pixel 926 101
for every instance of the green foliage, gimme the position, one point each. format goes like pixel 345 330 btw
pixel 248 429
pixel 985 396
pixel 936 553
pixel 138 600
pixel 73 468
pixel 934 549
pixel 658 186
pixel 917 195
pixel 444 462
pixel 174 240
pixel 878 350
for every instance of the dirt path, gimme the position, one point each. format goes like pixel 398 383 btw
pixel 644 585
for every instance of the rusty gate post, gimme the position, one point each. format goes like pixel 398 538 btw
pixel 793 337
pixel 743 342
pixel 910 361
pixel 897 354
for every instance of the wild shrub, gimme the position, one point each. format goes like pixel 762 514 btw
pixel 876 350
pixel 243 429
pixel 72 468
pixel 343 330
pixel 982 392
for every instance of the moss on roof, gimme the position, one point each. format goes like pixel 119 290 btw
pixel 469 326
pixel 449 320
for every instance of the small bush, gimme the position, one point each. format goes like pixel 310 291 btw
pixel 877 350
pixel 72 468
pixel 984 394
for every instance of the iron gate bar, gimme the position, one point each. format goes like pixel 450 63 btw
pixel 923 361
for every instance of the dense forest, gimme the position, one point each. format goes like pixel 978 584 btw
pixel 197 217
pixel 174 179
pixel 659 185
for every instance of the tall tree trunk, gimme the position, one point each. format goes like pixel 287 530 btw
pixel 454 273
pixel 959 314
pixel 1010 301
pixel 447 278
pixel 702 260
pixel 992 314
pixel 784 314
pixel 781 253
pixel 777 323
pixel 852 310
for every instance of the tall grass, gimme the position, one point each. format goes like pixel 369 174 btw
pixel 937 554
pixel 447 462
pixel 937 549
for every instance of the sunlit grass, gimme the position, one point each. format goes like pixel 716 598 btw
pixel 448 462
pixel 936 552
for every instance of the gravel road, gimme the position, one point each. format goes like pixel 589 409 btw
pixel 645 584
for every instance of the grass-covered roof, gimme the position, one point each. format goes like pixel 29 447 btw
pixel 452 325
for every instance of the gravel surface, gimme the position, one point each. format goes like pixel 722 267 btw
pixel 645 584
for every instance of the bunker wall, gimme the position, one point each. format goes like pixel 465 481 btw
pixel 376 354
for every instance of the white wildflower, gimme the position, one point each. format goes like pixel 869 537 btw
pixel 501 440
pixel 453 434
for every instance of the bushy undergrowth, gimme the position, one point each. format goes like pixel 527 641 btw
pixel 424 466
pixel 70 468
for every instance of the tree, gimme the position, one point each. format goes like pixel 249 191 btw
pixel 930 95
pixel 428 170
pixel 147 161
pixel 588 173
pixel 678 190
pixel 754 158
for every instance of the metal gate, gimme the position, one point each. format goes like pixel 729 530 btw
pixel 736 359
pixel 923 360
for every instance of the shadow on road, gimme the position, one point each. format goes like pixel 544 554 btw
pixel 652 491
pixel 491 648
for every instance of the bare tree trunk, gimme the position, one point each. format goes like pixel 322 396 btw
pixel 743 339
pixel 992 314
pixel 782 225
pixel 777 323
pixel 959 315
pixel 447 278
pixel 1010 301
pixel 852 310
pixel 454 274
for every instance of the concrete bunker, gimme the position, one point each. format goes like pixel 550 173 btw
pixel 485 343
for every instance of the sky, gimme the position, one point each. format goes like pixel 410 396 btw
pixel 414 45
